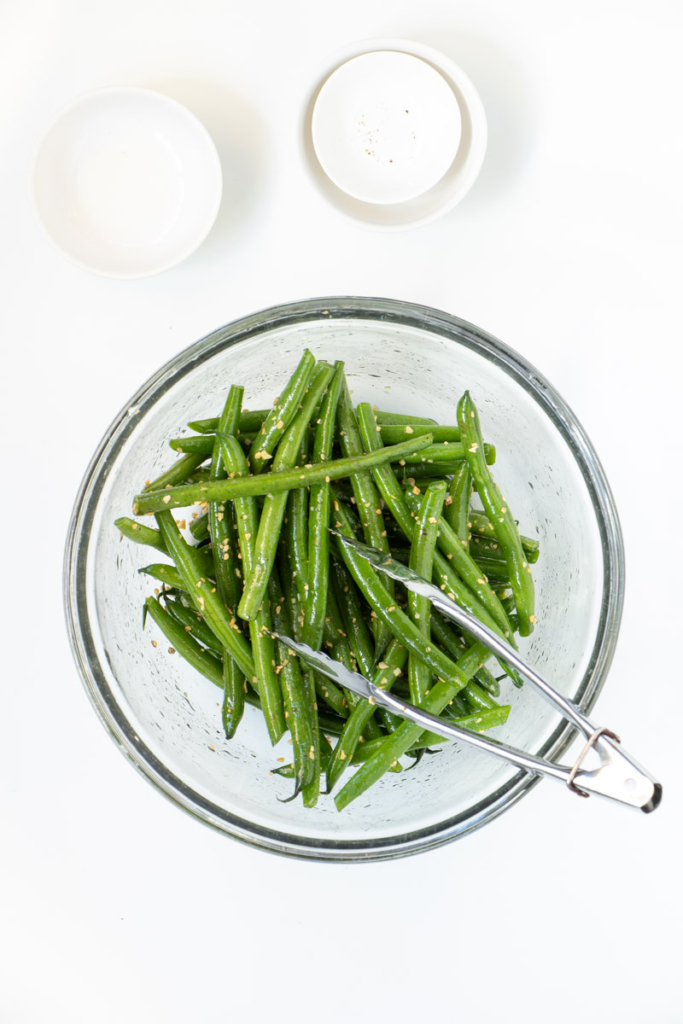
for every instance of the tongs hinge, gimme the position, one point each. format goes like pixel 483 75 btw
pixel 590 743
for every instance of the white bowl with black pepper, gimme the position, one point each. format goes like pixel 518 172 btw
pixel 393 134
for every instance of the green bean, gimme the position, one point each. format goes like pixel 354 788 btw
pixel 345 592
pixel 294 539
pixel 198 476
pixel 337 640
pixel 210 666
pixel 199 527
pixel 488 682
pixel 499 514
pixel 208 603
pixel 260 627
pixel 221 526
pixel 408 734
pixel 364 751
pixel 477 697
pixel 139 533
pixel 475 721
pixel 203 444
pixel 412 471
pixel 335 635
pixel 286 555
pixel 496 573
pixel 368 501
pixel 319 518
pixel 477 703
pixel 274 506
pixel 448 581
pixel 480 524
pixel 449 452
pixel 249 422
pixel 443 575
pixel 166 574
pixel 297 533
pixel 194 444
pixel 385 676
pixel 455 644
pixel 285 410
pixel 297 708
pixel 330 723
pixel 330 693
pixel 193 623
pixel 234 696
pixel 204 557
pixel 384 477
pixel 179 471
pixel 380 601
pixel 352 614
pixel 393 433
pixel 445 634
pixel 486 547
pixel 400 417
pixel 184 644
pixel 287 771
pixel 314 549
pixel 458 705
pixel 422 561
pixel 273 482
pixel 457 509
pixel 211 607
pixel 467 569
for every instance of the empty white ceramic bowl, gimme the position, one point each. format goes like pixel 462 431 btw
pixel 447 191
pixel 126 182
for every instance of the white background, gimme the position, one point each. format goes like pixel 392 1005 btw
pixel 115 906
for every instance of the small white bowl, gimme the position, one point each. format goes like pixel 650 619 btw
pixel 386 127
pixel 126 182
pixel 451 187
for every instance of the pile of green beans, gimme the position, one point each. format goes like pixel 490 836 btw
pixel 251 558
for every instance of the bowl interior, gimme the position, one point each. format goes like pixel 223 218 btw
pixel 168 718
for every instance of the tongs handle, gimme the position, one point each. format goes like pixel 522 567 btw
pixel 618 777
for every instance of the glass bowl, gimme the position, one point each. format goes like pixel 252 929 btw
pixel 166 718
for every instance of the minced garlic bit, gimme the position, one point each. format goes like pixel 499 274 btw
pixel 409 430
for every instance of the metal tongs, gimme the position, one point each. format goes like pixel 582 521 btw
pixel 617 777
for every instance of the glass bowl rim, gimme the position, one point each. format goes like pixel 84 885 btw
pixel 260 323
